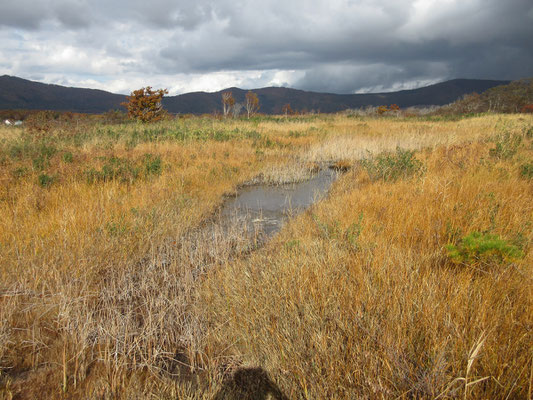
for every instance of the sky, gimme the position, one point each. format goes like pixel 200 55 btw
pixel 336 46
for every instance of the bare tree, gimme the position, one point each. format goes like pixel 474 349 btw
pixel 236 110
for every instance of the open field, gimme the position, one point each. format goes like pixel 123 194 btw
pixel 112 285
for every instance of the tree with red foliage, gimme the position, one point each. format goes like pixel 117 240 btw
pixel 145 104
pixel 528 108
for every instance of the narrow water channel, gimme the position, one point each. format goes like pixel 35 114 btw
pixel 262 209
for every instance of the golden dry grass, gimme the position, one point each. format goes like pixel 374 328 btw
pixel 128 289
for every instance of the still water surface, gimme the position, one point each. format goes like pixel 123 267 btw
pixel 262 209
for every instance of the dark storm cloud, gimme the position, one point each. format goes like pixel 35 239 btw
pixel 337 45
pixel 394 44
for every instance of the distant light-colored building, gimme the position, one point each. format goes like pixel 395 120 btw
pixel 8 122
pixel 18 123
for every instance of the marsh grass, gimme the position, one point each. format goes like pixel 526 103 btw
pixel 288 172
pixel 393 166
pixel 130 288
pixel 391 316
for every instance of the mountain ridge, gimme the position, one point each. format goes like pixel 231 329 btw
pixel 19 93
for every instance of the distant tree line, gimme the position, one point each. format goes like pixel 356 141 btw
pixel 145 105
pixel 514 97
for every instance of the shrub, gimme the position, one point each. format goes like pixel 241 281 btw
pixel 382 110
pixel 393 166
pixel 479 249
pixel 392 109
pixel 145 104
pixel 528 108
pixel 42 121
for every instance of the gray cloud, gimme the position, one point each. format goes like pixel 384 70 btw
pixel 339 46
pixel 73 15
pixel 23 14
